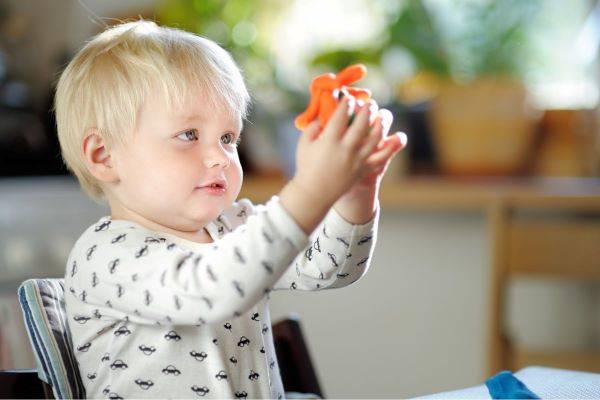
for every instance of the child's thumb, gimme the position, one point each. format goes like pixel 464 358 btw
pixel 312 131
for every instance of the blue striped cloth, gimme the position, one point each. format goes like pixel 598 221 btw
pixel 43 305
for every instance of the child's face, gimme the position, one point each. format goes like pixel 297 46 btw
pixel 172 154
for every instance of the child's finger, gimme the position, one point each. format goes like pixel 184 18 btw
pixel 372 140
pixel 391 145
pixel 338 123
pixel 359 128
pixel 374 107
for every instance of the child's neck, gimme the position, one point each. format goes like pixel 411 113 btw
pixel 121 213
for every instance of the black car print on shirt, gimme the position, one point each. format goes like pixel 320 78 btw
pixel 207 301
pixel 118 364
pixel 147 297
pixel 113 265
pixel 119 238
pixel 364 260
pixel 102 227
pixel 267 237
pixel 308 254
pixel 333 259
pixel 244 341
pixel 221 375
pixel 365 239
pixel 233 360
pixel 142 251
pixel 82 319
pixel 171 370
pixel 211 274
pixel 344 242
pixel 85 347
pixel 144 384
pixel 267 266
pixel 90 252
pixel 200 391
pixel 253 375
pixel 238 287
pixel 241 395
pixel 147 350
pixel 150 239
pixel 122 331
pixel 172 335
pixel 238 254
pixel 198 356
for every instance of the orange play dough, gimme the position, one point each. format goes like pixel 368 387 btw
pixel 324 93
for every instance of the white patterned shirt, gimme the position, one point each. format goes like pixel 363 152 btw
pixel 153 315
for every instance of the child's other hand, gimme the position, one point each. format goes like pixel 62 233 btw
pixel 331 161
pixel 388 146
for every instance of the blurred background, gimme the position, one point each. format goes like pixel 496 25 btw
pixel 488 250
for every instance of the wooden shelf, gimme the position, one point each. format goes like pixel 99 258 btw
pixel 554 248
pixel 439 193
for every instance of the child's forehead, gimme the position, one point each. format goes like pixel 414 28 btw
pixel 196 109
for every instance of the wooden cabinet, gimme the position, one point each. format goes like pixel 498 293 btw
pixel 537 227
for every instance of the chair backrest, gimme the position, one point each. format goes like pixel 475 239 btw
pixel 298 373
pixel 43 305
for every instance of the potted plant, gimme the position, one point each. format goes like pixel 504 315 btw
pixel 470 59
pixel 481 120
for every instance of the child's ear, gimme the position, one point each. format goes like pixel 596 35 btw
pixel 98 158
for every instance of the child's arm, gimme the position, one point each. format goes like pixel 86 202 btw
pixel 338 254
pixel 125 273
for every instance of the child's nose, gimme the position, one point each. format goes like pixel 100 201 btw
pixel 216 156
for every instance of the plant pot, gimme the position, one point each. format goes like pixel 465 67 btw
pixel 483 128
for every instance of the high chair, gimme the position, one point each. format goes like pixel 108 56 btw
pixel 57 376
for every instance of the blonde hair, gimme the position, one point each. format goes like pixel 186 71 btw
pixel 105 84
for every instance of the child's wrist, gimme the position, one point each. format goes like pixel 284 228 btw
pixel 306 207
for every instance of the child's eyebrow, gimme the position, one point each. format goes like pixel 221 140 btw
pixel 188 118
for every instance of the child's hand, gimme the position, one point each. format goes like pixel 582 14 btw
pixel 331 161
pixel 388 146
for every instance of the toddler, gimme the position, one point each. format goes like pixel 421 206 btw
pixel 168 295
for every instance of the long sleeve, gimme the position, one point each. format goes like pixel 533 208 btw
pixel 149 280
pixel 337 255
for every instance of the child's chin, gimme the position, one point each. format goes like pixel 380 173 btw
pixel 207 211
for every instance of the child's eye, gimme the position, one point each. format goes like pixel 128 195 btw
pixel 232 136
pixel 188 134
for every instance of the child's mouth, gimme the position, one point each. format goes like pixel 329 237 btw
pixel 214 189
